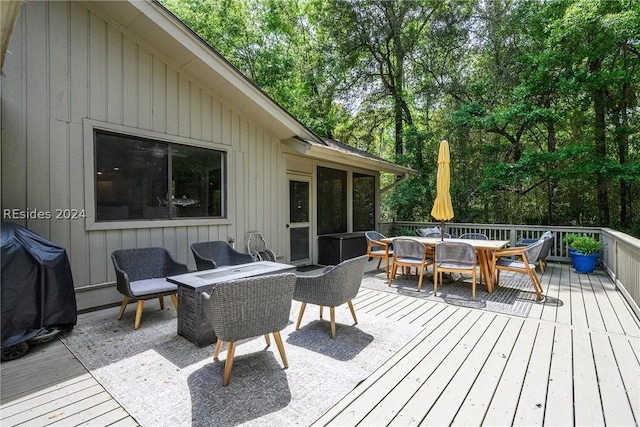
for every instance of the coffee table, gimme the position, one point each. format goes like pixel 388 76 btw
pixel 193 323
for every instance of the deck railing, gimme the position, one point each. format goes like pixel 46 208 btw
pixel 620 257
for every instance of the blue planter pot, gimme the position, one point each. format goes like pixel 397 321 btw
pixel 584 263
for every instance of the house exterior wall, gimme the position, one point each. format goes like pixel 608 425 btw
pixel 68 70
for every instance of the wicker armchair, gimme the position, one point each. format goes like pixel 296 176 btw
pixel 523 263
pixel 141 275
pixel 333 287
pixel 454 257
pixel 249 307
pixel 210 255
pixel 378 249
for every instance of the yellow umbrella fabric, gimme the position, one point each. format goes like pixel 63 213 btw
pixel 442 208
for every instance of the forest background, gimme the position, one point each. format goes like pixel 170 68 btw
pixel 537 98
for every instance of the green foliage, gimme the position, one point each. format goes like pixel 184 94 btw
pixel 586 245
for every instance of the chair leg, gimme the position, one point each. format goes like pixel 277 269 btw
pixel 379 262
pixel 136 325
pixel 541 262
pixel 228 363
pixel 321 307
pixel 174 299
pixel 302 307
pixel 267 339
pixel 332 310
pixel 535 281
pixel 161 298
pixel 420 279
pixel 435 281
pixel 125 301
pixel 216 352
pixel 283 355
pixel 392 273
pixel 473 284
pixel 386 261
pixel 353 311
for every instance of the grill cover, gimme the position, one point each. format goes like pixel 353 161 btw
pixel 36 286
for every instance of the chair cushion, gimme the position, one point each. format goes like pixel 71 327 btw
pixel 380 252
pixel 513 264
pixel 457 265
pixel 141 288
pixel 410 260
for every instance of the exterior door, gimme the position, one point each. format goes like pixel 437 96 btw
pixel 299 224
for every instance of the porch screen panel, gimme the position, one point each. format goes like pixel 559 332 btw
pixel 332 201
pixel 364 202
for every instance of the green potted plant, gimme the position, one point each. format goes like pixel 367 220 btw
pixel 586 253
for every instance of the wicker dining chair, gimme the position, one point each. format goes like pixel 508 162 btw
pixel 249 307
pixel 410 253
pixel 520 260
pixel 141 275
pixel 378 249
pixel 454 257
pixel 333 287
pixel 549 238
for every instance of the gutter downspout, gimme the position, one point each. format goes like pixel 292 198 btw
pixel 395 183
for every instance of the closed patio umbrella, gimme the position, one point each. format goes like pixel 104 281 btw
pixel 442 208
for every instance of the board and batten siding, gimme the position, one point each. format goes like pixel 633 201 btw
pixel 67 67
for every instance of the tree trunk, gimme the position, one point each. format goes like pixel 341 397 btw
pixel 600 146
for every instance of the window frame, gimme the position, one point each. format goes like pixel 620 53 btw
pixel 89 128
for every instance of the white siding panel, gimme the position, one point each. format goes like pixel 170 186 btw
pixel 59 60
pixel 159 96
pixel 97 68
pixel 172 102
pixel 114 76
pixel 79 247
pixel 79 63
pixel 97 254
pixel 195 112
pixel 38 120
pixel 59 185
pixel 156 237
pixel 184 104
pixel 13 129
pixel 145 89
pixel 113 242
pixel 207 129
pixel 131 93
pixel 216 121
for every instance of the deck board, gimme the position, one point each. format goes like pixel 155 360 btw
pixel 558 409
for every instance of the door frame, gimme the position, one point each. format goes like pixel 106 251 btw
pixel 310 224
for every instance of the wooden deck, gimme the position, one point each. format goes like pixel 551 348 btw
pixel 572 364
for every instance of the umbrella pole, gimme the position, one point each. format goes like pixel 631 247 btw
pixel 441 230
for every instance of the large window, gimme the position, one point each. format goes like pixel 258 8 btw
pixel 364 202
pixel 138 179
pixel 332 201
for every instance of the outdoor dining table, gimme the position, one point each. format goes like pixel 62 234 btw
pixel 193 323
pixel 484 250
